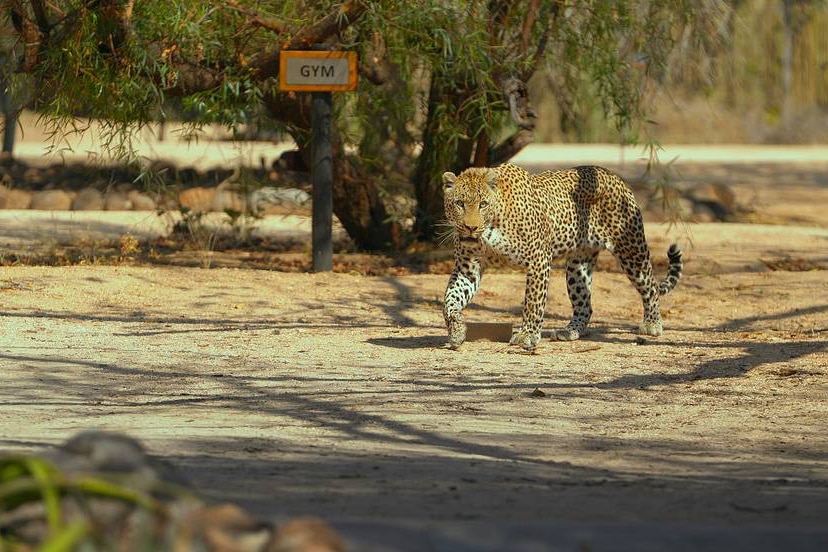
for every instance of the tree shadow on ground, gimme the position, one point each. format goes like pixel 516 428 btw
pixel 409 342
pixel 410 470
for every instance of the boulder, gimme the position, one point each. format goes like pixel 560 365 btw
pixel 14 199
pixel 141 201
pixel 263 199
pixel 88 199
pixel 197 199
pixel 117 201
pixel 173 517
pixel 51 200
pixel 228 200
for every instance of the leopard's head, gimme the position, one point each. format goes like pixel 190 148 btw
pixel 471 201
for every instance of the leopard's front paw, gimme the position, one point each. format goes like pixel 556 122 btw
pixel 527 339
pixel 456 332
pixel 654 329
pixel 566 334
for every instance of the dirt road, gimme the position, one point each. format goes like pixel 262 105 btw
pixel 332 394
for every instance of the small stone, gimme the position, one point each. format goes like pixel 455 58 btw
pixel 51 200
pixel 306 534
pixel 117 201
pixel 14 199
pixel 88 199
pixel 141 201
pixel 228 200
pixel 537 393
pixel 267 198
pixel 197 199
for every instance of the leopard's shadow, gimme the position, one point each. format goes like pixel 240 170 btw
pixel 410 342
pixel 595 335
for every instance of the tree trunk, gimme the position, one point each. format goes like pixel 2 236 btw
pixel 359 207
pixel 436 157
pixel 356 199
pixel 9 121
pixel 451 139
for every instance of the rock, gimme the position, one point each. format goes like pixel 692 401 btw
pixel 177 519
pixel 305 535
pixel 292 161
pixel 14 199
pixel 141 201
pixel 88 199
pixel 226 528
pixel 197 199
pixel 717 198
pixel 263 199
pixel 707 212
pixel 117 201
pixel 228 200
pixel 51 200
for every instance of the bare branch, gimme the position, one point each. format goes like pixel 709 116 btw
pixel 481 150
pixel 520 107
pixel 510 147
pixel 551 19
pixel 528 23
pixel 524 117
pixel 375 66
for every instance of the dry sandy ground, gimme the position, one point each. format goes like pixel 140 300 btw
pixel 332 394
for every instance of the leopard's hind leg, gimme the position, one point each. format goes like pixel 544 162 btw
pixel 634 258
pixel 579 270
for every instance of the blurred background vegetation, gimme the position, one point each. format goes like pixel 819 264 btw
pixel 764 82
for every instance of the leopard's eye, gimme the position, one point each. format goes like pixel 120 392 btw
pixel 459 203
pixel 484 204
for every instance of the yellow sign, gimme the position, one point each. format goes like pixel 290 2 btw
pixel 317 71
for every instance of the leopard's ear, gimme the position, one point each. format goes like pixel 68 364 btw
pixel 448 180
pixel 491 179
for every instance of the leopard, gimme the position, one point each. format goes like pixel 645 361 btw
pixel 532 220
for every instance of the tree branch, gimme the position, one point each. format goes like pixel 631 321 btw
pixel 29 31
pixel 328 26
pixel 510 147
pixel 268 64
pixel 551 19
pixel 192 78
pixel 528 23
pixel 374 66
pixel 517 96
pixel 115 25
pixel 40 16
pixel 255 18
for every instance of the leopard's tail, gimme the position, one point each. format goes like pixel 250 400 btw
pixel 673 273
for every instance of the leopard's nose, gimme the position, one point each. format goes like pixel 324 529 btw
pixel 470 229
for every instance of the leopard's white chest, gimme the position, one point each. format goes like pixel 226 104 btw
pixel 498 243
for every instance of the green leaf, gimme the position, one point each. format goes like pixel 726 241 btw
pixel 67 539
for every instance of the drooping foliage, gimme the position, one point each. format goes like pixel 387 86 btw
pixel 443 83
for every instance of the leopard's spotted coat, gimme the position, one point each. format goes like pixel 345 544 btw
pixel 534 219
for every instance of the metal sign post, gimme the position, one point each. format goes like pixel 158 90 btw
pixel 322 178
pixel 319 72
